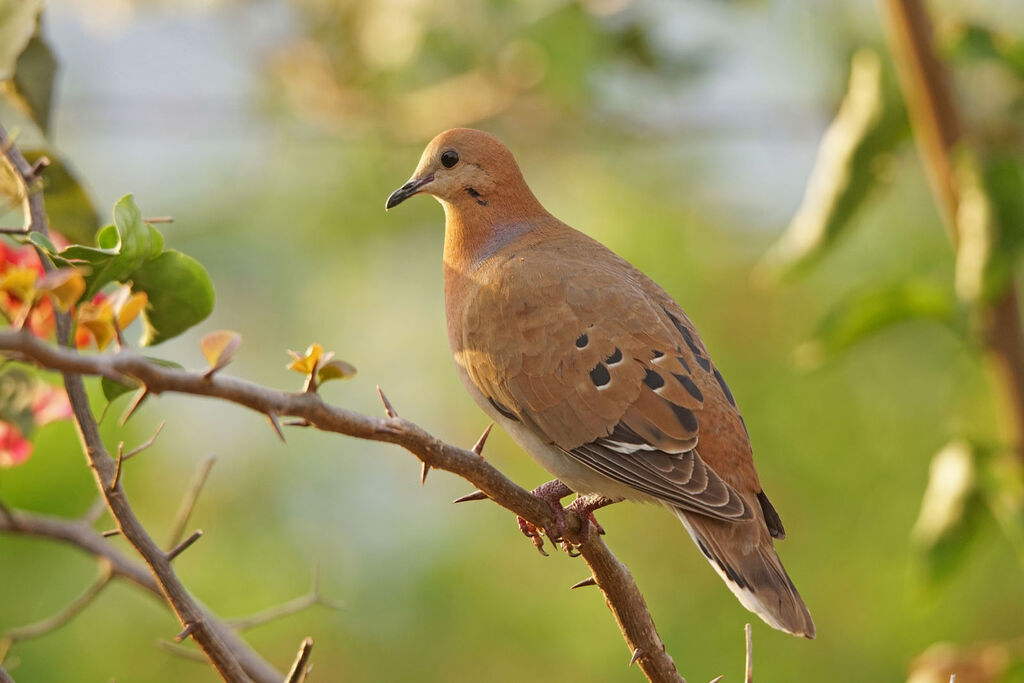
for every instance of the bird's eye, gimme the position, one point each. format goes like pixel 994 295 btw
pixel 449 158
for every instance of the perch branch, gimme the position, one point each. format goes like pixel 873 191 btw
pixel 188 503
pixel 614 579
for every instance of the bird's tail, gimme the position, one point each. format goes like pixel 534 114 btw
pixel 743 555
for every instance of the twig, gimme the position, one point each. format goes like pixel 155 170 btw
pixel 179 650
pixel 95 511
pixel 286 609
pixel 620 590
pixel 78 534
pixel 298 672
pixel 61 617
pixel 147 443
pixel 4 676
pixel 225 660
pixel 184 545
pixel 749 667
pixel 188 503
pixel 938 129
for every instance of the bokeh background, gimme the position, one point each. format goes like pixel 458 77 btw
pixel 681 134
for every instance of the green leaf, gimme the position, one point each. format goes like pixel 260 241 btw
pixel 122 249
pixel 17 26
pixel 180 295
pixel 113 389
pixel 952 512
pixel 990 222
pixel 33 80
pixel 42 241
pixel 968 42
pixel 870 124
pixel 869 311
pixel 1001 478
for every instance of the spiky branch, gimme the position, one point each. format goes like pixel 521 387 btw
pixel 307 408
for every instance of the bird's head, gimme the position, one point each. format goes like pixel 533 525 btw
pixel 463 167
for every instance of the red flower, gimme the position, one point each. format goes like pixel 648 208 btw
pixel 14 449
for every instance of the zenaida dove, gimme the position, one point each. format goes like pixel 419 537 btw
pixel 595 370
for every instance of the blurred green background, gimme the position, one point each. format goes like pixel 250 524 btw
pixel 681 134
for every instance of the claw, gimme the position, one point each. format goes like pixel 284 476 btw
pixel 531 532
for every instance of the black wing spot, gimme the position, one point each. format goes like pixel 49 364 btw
pixel 682 361
pixel 503 410
pixel 654 380
pixel 689 386
pixel 615 357
pixel 656 354
pixel 771 517
pixel 600 376
pixel 582 341
pixel 725 387
pixel 703 362
pixel 685 417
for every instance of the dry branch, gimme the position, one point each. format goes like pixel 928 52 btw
pixel 224 659
pixel 614 579
pixel 79 534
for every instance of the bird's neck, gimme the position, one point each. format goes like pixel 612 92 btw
pixel 475 231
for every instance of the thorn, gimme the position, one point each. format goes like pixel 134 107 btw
pixel 117 469
pixel 145 444
pixel 637 654
pixel 137 400
pixel 478 447
pixel 716 679
pixel 589 581
pixel 185 633
pixel 159 219
pixel 41 163
pixel 276 425
pixel 424 472
pixel 110 532
pixel 184 545
pixel 476 495
pixel 389 410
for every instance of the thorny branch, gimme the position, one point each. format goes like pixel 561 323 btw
pixel 226 660
pixel 79 534
pixel 611 576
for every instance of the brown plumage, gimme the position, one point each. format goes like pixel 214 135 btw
pixel 595 370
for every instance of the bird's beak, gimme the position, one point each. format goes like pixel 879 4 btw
pixel 405 191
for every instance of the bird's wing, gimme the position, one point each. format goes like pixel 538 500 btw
pixel 584 352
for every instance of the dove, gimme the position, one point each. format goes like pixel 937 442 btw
pixel 595 371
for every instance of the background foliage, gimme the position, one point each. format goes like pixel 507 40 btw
pixel 680 134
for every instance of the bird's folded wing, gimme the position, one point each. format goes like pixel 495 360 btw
pixel 613 376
